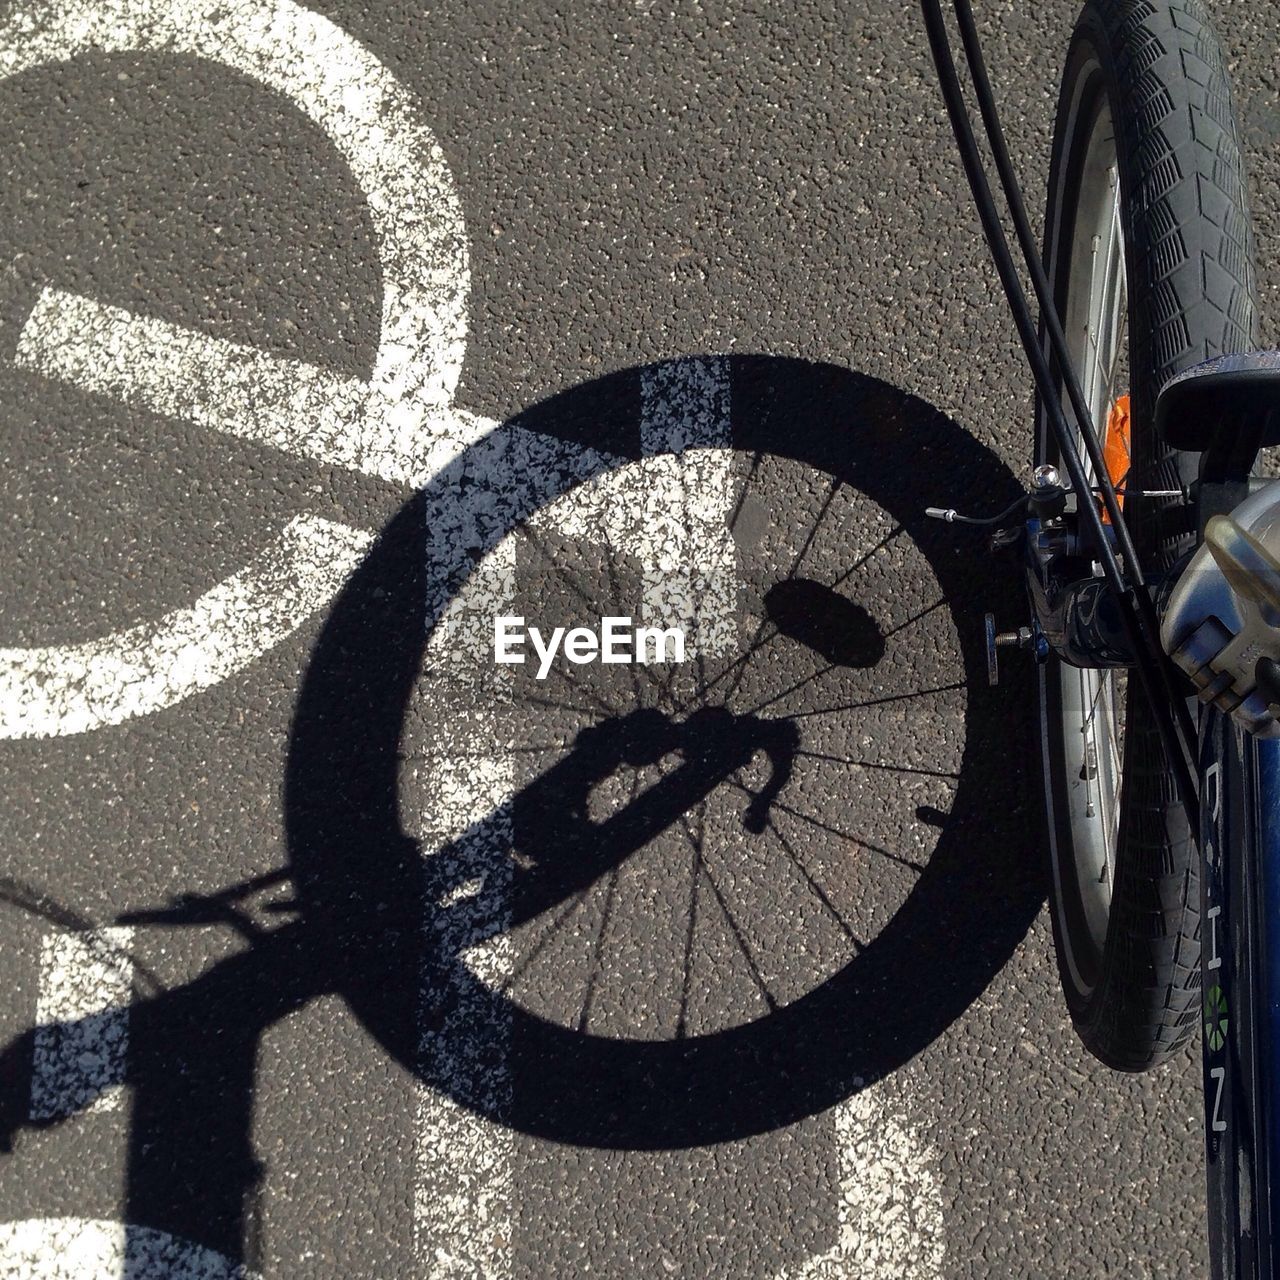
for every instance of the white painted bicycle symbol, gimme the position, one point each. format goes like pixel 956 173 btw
pixel 400 424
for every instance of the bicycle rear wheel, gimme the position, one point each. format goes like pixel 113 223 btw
pixel 1148 249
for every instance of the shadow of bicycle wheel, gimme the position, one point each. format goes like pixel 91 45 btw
pixel 360 875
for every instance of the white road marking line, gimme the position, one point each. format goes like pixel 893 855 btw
pixel 170 370
pixel 371 119
pixel 463 1204
pixel 463 1193
pixel 889 1212
pixel 691 578
pixel 670 512
pixel 400 425
pixel 463 1201
pixel 82 1022
pixel 92 1249
pixel 62 689
pixel 231 387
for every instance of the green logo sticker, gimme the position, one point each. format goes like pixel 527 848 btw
pixel 1215 1018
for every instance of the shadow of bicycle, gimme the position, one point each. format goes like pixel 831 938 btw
pixel 973 901
pixel 397 935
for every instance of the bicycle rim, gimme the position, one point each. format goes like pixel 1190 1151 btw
pixel 1090 726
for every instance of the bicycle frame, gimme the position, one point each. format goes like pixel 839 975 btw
pixel 1239 847
pixel 1233 801
pixel 1240 964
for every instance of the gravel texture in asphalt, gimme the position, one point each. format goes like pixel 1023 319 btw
pixel 333 947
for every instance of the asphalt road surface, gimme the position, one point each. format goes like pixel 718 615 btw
pixel 332 947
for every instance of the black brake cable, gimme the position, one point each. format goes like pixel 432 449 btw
pixel 1137 614
pixel 1058 341
pixel 951 516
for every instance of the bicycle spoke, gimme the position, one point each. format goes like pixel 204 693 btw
pixel 924 613
pixel 756 459
pixel 696 877
pixel 836 484
pixel 558 922
pixel 538 748
pixel 578 590
pixel 752 966
pixel 958 686
pixel 799 684
pixel 790 574
pixel 597 954
pixel 876 764
pixel 844 835
pixel 817 888
pixel 616 588
pixel 742 658
pixel 858 564
pixel 552 703
pixel 580 686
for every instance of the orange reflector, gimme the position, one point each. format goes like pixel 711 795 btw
pixel 1115 448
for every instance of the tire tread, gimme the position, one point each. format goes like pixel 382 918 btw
pixel 1192 297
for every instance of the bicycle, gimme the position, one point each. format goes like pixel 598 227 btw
pixel 1119 553
pixel 1153 557
pixel 369 912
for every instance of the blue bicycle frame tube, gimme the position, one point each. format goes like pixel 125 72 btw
pixel 1240 966
pixel 1267 869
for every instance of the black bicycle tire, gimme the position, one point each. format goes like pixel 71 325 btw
pixel 1191 297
